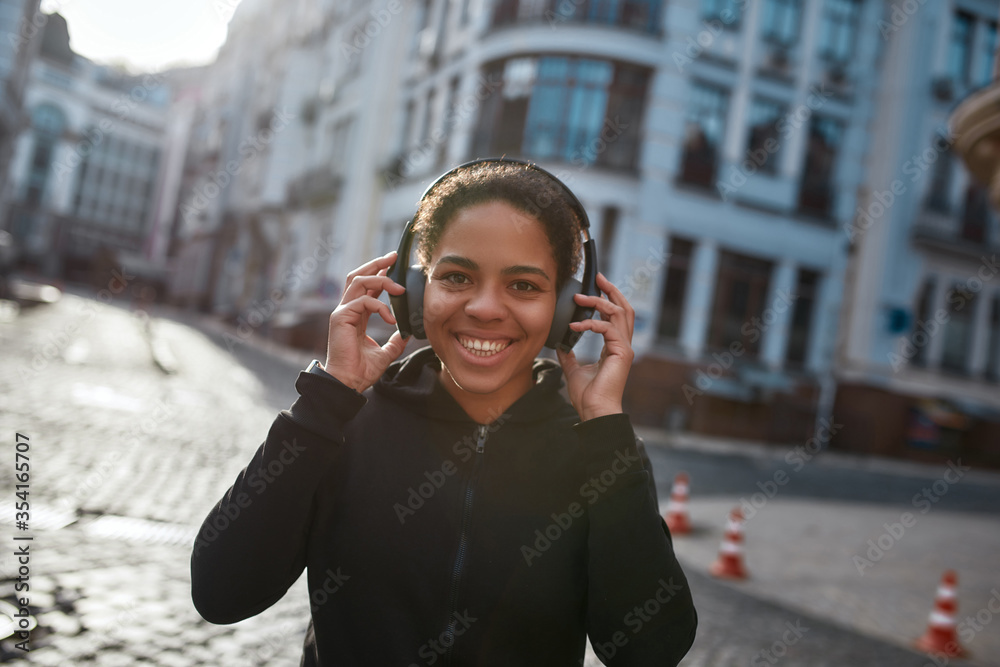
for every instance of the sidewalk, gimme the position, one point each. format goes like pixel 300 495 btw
pixel 762 450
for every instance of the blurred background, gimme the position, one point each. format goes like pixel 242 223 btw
pixel 795 196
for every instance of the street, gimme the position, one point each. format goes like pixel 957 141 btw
pixel 126 459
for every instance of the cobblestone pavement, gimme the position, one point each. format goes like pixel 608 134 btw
pixel 127 459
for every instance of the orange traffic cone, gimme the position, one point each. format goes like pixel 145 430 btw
pixel 941 636
pixel 729 564
pixel 677 509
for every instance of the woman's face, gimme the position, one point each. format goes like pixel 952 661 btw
pixel 489 300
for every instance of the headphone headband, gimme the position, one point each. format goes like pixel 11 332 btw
pixel 408 307
pixel 575 204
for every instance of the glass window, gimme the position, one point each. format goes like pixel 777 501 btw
pixel 425 131
pixel 837 29
pixel 993 349
pixel 987 52
pixel 959 47
pixel 975 213
pixel 763 144
pixel 816 190
pixel 674 288
pixel 406 136
pixel 728 12
pixel 958 330
pixel 925 304
pixel 703 133
pixel 740 293
pixel 939 191
pixel 567 107
pixel 780 21
pixel 806 294
pixel 47 124
pixel 578 110
pixel 609 234
pixel 637 14
pixel 450 114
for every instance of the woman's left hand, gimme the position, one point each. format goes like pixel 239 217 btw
pixel 596 389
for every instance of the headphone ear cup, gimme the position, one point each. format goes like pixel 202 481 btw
pixel 565 308
pixel 415 282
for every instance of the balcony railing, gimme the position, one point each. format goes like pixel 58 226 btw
pixel 640 15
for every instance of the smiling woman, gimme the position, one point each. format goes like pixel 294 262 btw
pixel 472 513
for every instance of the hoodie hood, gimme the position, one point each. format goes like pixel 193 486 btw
pixel 413 382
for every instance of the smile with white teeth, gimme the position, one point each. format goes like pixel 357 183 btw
pixel 483 348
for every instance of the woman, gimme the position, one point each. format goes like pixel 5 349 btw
pixel 452 507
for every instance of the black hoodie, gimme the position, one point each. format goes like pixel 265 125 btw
pixel 432 540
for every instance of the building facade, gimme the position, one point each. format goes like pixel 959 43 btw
pixel 723 149
pixel 20 21
pixel 920 347
pixel 86 174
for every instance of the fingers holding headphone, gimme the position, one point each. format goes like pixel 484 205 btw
pixel 356 311
pixel 359 281
pixel 614 310
pixel 616 297
pixel 371 286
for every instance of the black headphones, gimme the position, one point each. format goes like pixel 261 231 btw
pixel 408 307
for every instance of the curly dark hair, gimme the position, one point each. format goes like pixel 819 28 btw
pixel 526 189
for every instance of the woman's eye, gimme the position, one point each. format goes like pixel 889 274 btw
pixel 523 286
pixel 455 278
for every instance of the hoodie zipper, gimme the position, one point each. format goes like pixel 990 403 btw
pixel 463 542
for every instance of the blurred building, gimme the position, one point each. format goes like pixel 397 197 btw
pixel 723 149
pixel 86 175
pixel 19 21
pixel 919 364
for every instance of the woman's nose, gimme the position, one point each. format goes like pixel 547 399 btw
pixel 486 303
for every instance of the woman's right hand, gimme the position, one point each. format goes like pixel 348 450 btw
pixel 352 356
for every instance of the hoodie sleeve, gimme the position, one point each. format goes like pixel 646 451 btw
pixel 252 545
pixel 639 606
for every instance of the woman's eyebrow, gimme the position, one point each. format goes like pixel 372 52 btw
pixel 522 268
pixel 517 269
pixel 464 262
